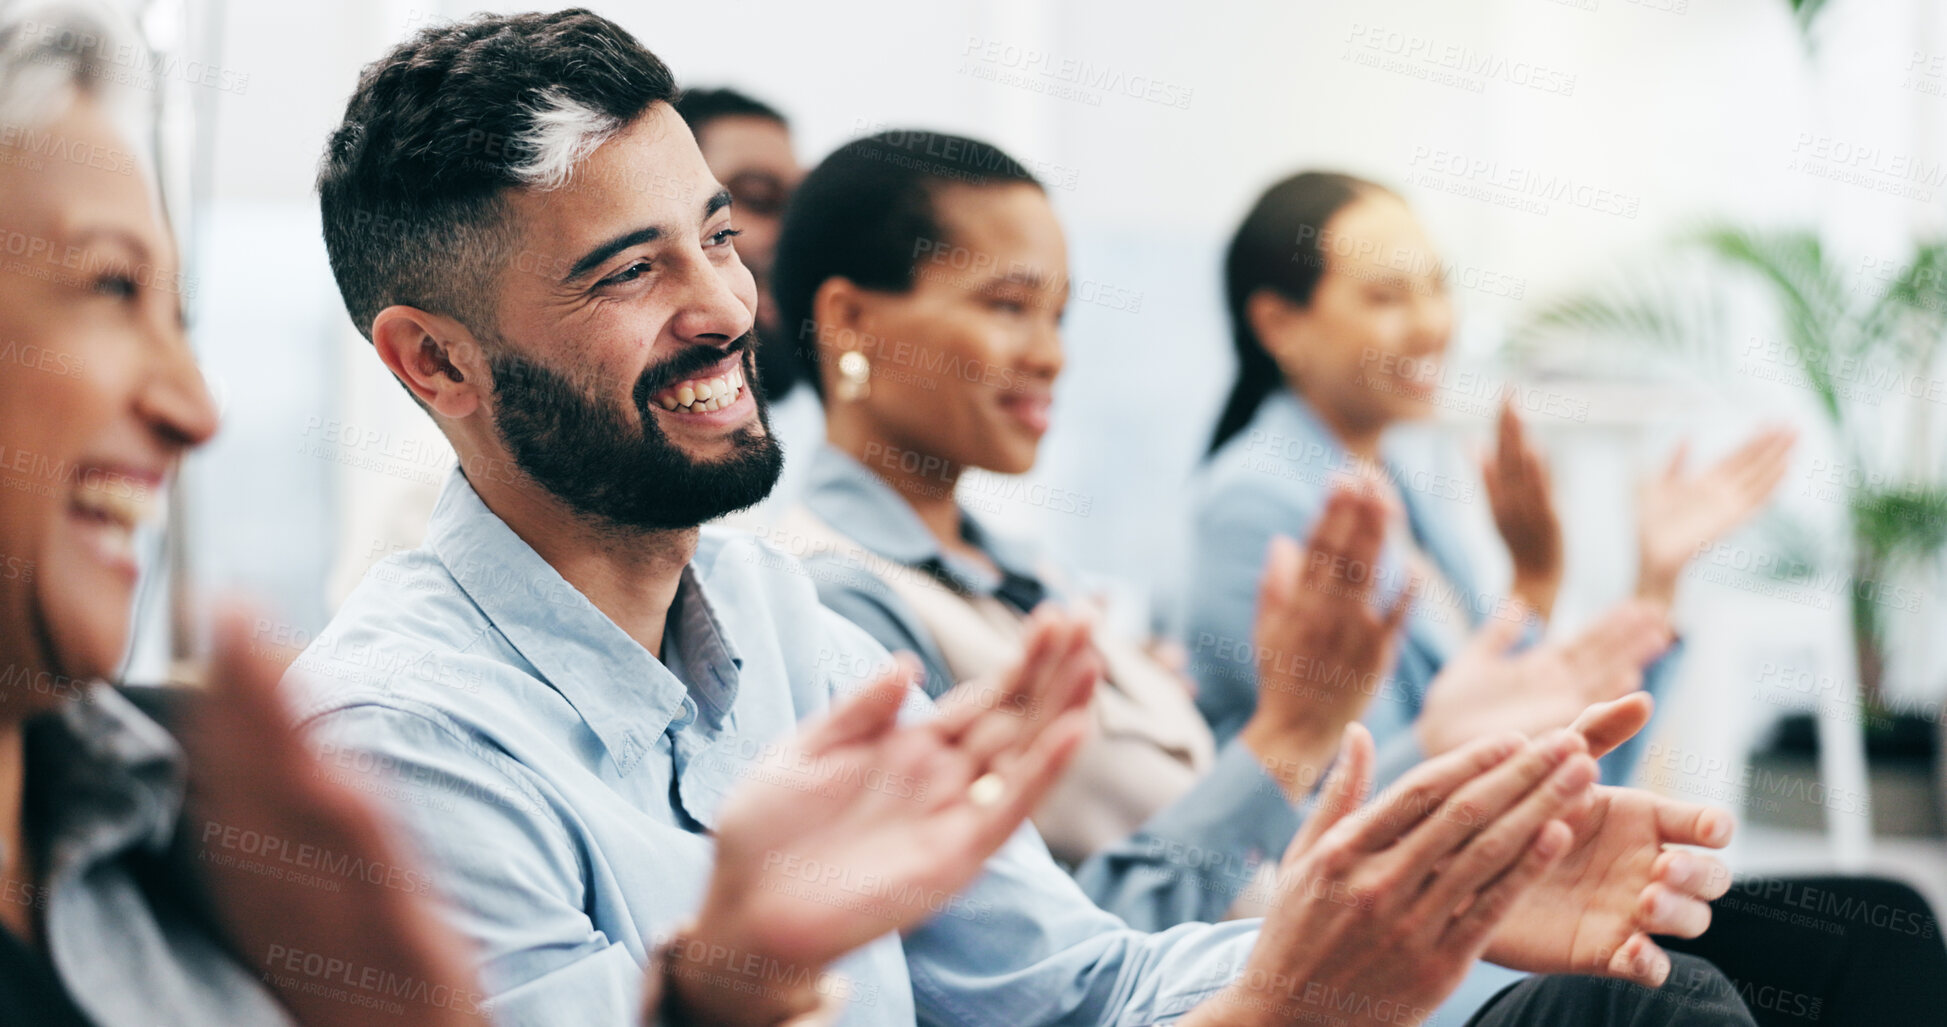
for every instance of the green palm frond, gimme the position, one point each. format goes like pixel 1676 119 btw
pixel 1810 291
pixel 1659 309
pixel 1848 336
pixel 1804 13
pixel 1897 524
pixel 1913 306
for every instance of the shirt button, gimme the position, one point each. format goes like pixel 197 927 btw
pixel 684 717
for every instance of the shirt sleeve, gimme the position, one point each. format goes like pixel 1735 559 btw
pixel 865 601
pixel 1234 523
pixel 510 879
pixel 1026 946
pixel 1191 861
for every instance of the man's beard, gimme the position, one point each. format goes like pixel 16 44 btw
pixel 585 452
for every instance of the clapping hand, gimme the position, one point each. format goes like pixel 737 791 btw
pixel 1620 880
pixel 1382 909
pixel 1519 493
pixel 1678 513
pixel 1321 647
pixel 251 776
pixel 863 825
pixel 1487 688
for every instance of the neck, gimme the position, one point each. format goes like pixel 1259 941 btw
pixel 1360 438
pixel 629 575
pixel 929 490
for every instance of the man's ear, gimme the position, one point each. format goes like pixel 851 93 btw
pixel 435 356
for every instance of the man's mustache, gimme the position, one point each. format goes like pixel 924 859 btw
pixel 693 360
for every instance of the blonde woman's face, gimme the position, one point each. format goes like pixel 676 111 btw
pixel 99 396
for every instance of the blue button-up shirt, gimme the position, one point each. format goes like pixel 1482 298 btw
pixel 1191 859
pixel 563 783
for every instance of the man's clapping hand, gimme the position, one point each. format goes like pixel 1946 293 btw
pixel 1382 908
pixel 893 815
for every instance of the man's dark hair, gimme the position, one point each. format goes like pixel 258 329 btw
pixel 412 181
pixel 699 107
pixel 866 212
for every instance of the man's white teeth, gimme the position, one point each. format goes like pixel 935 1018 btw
pixel 706 394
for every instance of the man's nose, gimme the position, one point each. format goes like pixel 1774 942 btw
pixel 711 310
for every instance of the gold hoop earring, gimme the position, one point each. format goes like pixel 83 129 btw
pixel 854 376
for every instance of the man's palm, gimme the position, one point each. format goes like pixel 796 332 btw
pixel 1617 884
pixel 867 826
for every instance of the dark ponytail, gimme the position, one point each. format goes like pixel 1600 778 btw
pixel 1279 246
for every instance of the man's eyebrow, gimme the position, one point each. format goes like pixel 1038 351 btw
pixel 594 258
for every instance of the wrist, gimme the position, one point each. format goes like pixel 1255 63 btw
pixel 1296 755
pixel 1437 733
pixel 1537 590
pixel 1657 584
pixel 710 980
pixel 1237 1005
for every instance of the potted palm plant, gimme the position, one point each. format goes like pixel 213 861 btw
pixel 1866 345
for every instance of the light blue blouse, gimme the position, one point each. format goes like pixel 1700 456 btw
pixel 112 784
pixel 1273 478
pixel 1193 858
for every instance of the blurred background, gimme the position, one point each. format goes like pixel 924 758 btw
pixel 1664 219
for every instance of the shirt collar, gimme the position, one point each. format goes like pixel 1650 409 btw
pixel 1286 412
pixel 111 778
pixel 846 495
pixel 626 697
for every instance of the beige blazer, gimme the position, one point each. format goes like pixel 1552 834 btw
pixel 1149 744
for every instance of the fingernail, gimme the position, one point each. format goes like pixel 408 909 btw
pixel 1719 831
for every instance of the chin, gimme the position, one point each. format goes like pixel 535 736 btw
pixel 1012 462
pixel 89 633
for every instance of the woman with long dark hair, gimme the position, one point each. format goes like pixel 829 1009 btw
pixel 1340 316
